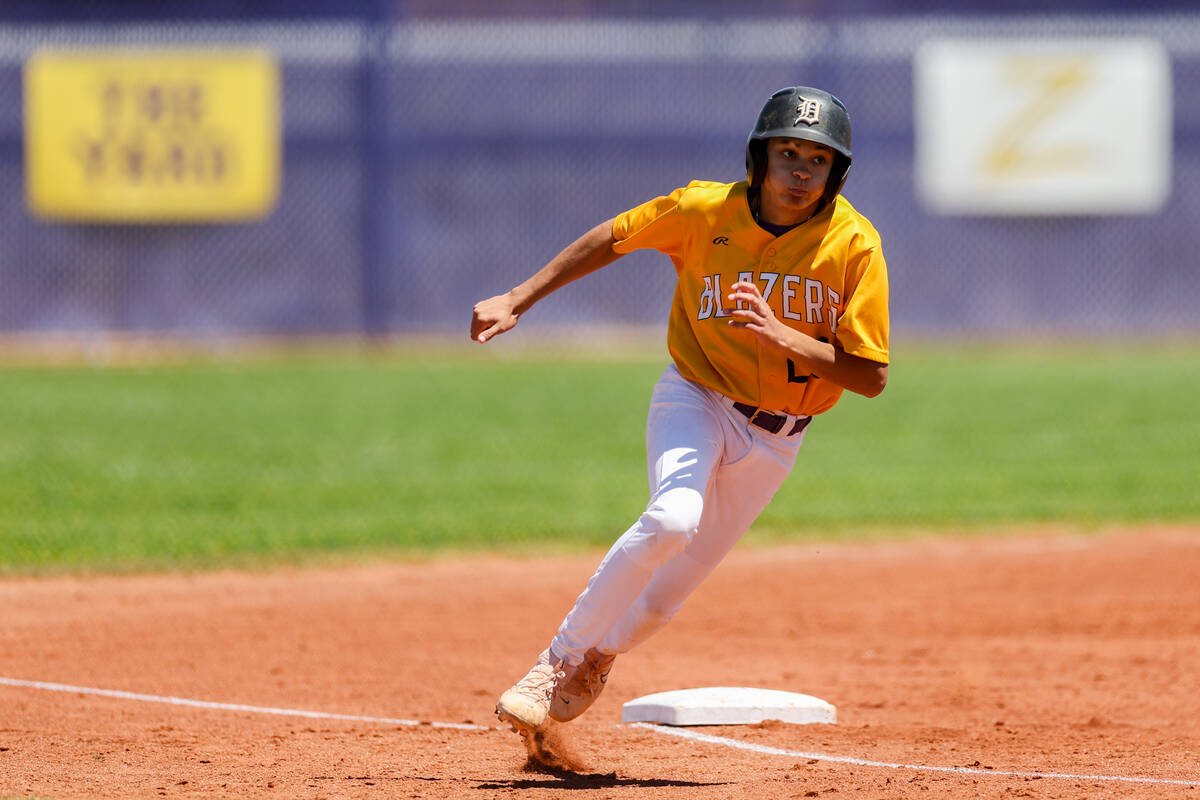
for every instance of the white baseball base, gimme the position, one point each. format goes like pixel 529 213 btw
pixel 728 705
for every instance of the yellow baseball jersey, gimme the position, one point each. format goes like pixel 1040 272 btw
pixel 826 277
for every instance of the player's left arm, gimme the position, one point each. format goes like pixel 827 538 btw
pixel 860 375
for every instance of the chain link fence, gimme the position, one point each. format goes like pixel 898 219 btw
pixel 429 163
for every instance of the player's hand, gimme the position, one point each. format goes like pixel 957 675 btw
pixel 750 311
pixel 492 317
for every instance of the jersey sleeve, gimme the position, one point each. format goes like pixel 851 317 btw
pixel 863 329
pixel 655 225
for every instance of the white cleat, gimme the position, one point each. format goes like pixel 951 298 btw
pixel 527 704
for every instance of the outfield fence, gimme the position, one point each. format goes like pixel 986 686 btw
pixel 429 162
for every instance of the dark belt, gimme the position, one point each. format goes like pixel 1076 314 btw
pixel 771 422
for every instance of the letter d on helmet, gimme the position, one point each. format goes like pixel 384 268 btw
pixel 802 112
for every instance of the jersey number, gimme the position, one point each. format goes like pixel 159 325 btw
pixel 792 376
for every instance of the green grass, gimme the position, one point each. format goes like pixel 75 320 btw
pixel 984 437
pixel 299 458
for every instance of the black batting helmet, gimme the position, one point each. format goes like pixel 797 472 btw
pixel 802 112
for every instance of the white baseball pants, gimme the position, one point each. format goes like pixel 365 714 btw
pixel 711 475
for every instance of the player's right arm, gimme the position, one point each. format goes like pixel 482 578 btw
pixel 585 255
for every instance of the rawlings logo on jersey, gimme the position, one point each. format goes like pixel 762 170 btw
pixel 808 112
pixel 800 299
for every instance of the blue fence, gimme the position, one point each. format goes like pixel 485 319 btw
pixel 430 162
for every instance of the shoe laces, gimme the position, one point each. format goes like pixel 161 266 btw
pixel 542 679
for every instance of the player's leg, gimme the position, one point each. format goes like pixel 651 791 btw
pixel 736 495
pixel 685 440
pixel 684 444
pixel 739 493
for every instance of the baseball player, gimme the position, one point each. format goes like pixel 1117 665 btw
pixel 780 304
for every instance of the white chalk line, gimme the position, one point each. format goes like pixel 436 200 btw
pixel 862 762
pixel 679 732
pixel 182 701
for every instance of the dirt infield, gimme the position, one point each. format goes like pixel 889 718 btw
pixel 1046 666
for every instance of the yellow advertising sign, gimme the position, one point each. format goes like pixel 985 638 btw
pixel 152 136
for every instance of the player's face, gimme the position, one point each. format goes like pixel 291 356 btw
pixel 797 171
